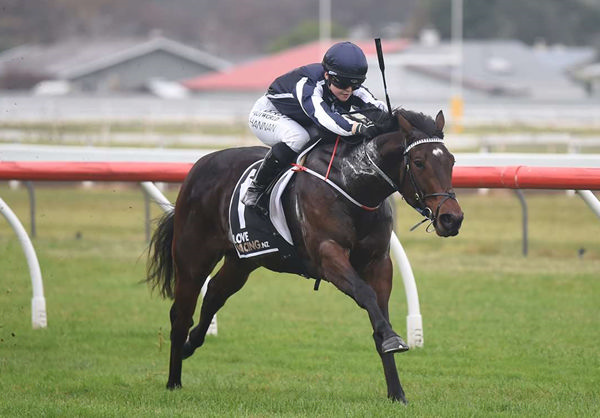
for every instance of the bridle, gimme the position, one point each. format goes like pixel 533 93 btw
pixel 419 197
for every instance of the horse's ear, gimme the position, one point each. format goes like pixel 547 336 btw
pixel 404 124
pixel 440 121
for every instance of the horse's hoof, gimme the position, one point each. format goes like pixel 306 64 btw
pixel 398 398
pixel 173 386
pixel 187 350
pixel 394 344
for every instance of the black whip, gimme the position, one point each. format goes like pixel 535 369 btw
pixel 382 68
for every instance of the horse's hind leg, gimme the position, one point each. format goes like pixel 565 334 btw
pixel 187 289
pixel 231 277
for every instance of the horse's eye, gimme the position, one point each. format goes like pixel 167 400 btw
pixel 419 164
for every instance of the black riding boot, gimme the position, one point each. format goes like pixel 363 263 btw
pixel 277 159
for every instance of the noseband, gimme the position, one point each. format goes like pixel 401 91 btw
pixel 420 197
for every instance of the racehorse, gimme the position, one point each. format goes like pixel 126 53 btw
pixel 342 234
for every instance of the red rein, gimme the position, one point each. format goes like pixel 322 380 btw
pixel 332 157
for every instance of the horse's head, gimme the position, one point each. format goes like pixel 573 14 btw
pixel 425 180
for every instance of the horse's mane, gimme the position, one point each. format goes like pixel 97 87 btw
pixel 422 122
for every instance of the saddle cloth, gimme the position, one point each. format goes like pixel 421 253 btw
pixel 254 235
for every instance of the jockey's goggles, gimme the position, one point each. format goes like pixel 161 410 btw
pixel 345 82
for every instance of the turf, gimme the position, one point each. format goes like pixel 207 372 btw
pixel 505 335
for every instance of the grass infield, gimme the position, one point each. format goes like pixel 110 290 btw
pixel 505 335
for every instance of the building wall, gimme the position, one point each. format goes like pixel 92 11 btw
pixel 132 75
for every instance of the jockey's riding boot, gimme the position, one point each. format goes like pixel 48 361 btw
pixel 277 159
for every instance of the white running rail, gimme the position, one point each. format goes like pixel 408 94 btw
pixel 38 302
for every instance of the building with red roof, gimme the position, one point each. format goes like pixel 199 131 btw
pixel 257 75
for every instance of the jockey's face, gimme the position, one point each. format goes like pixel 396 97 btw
pixel 341 94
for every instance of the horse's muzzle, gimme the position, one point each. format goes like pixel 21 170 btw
pixel 448 224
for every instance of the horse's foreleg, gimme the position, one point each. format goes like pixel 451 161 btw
pixel 394 389
pixel 231 277
pixel 379 276
pixel 337 269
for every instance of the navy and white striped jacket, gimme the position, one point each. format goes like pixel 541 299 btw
pixel 303 96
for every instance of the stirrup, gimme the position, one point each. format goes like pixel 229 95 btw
pixel 252 196
pixel 253 199
pixel 260 208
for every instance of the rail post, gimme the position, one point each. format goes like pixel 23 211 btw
pixel 414 321
pixel 38 302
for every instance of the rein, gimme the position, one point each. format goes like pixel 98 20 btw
pixel 298 167
pixel 337 141
pixel 420 197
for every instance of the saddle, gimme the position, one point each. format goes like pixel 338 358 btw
pixel 254 235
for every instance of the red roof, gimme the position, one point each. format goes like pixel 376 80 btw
pixel 258 74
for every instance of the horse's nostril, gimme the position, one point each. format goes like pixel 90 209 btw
pixel 450 221
pixel 446 219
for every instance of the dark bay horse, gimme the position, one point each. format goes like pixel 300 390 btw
pixel 343 242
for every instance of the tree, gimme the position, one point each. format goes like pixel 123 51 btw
pixel 571 22
pixel 304 32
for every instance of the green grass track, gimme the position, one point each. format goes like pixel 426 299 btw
pixel 505 335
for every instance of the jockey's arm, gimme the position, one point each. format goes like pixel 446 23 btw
pixel 363 99
pixel 311 100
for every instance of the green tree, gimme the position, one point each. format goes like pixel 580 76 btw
pixel 571 22
pixel 306 31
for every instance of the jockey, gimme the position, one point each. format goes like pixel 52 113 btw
pixel 311 95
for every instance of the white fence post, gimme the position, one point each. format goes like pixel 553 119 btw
pixel 212 328
pixel 414 321
pixel 591 200
pixel 38 302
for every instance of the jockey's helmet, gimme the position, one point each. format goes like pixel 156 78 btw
pixel 346 65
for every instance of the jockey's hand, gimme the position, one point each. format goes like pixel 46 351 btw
pixel 366 129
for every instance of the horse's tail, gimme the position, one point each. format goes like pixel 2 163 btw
pixel 159 271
